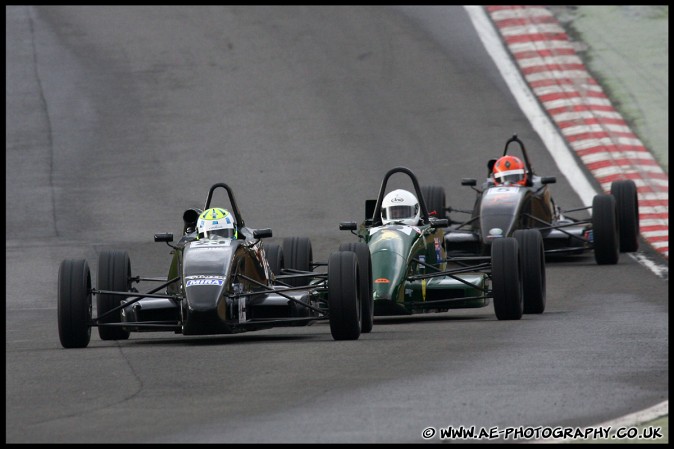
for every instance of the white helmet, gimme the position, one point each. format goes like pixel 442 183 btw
pixel 216 222
pixel 400 206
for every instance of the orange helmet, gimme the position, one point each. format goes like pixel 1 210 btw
pixel 509 170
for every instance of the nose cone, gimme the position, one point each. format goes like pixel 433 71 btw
pixel 388 269
pixel 499 212
pixel 389 247
pixel 203 294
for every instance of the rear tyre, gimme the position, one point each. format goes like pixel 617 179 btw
pixel 532 257
pixel 506 279
pixel 627 209
pixel 434 197
pixel 365 282
pixel 298 255
pixel 343 296
pixel 604 230
pixel 114 273
pixel 74 303
pixel 274 255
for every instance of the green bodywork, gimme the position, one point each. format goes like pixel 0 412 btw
pixel 400 254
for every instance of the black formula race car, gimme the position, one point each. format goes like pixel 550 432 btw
pixel 215 285
pixel 411 272
pixel 500 209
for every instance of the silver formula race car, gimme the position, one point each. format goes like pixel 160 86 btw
pixel 500 209
pixel 216 285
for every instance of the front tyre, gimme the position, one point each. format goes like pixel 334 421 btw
pixel 74 303
pixel 627 209
pixel 298 255
pixel 365 282
pixel 343 296
pixel 114 274
pixel 604 230
pixel 506 279
pixel 532 256
pixel 274 255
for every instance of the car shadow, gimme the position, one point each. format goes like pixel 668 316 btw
pixel 206 340
pixel 425 317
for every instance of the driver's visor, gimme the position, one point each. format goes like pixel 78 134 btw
pixel 509 175
pixel 229 233
pixel 394 212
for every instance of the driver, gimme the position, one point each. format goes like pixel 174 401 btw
pixel 509 170
pixel 216 222
pixel 400 206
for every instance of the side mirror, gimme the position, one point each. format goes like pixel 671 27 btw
pixel 190 217
pixel 548 180
pixel 490 166
pixel 262 233
pixel 165 237
pixel 348 226
pixel 468 182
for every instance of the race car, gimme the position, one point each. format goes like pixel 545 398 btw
pixel 513 198
pixel 411 272
pixel 221 280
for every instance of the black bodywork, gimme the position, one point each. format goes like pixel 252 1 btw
pixel 500 210
pixel 214 286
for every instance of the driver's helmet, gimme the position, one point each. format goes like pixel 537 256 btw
pixel 509 170
pixel 400 206
pixel 216 222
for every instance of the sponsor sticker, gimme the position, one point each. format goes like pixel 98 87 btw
pixel 193 282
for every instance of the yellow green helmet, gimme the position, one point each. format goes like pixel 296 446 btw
pixel 216 222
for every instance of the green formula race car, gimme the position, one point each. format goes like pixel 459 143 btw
pixel 411 272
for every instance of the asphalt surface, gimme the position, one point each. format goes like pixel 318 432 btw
pixel 121 117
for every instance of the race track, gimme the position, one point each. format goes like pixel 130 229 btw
pixel 119 118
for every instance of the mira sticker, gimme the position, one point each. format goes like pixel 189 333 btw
pixel 382 281
pixel 193 282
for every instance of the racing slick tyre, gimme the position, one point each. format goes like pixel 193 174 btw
pixel 532 258
pixel 298 255
pixel 604 230
pixel 506 278
pixel 627 208
pixel 343 296
pixel 434 197
pixel 274 255
pixel 114 273
pixel 365 282
pixel 74 303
